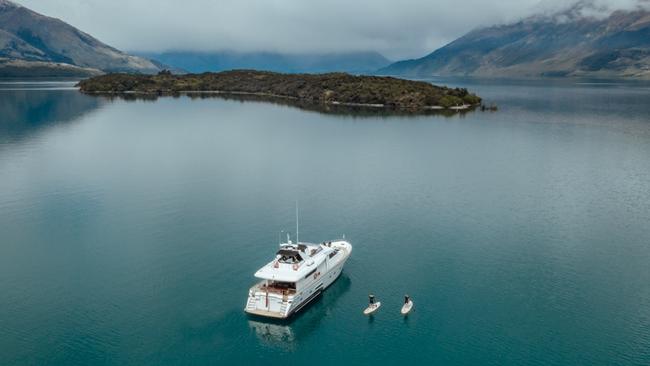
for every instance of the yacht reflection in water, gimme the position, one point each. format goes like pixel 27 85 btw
pixel 284 334
pixel 273 334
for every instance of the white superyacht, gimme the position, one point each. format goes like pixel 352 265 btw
pixel 297 275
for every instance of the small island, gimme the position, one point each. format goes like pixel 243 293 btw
pixel 329 89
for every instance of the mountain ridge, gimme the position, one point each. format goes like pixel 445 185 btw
pixel 558 45
pixel 32 40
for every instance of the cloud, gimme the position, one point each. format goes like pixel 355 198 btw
pixel 590 8
pixel 397 29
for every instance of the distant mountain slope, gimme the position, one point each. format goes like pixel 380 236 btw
pixel 565 44
pixel 352 62
pixel 29 69
pixel 27 37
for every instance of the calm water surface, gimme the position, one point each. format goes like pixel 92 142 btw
pixel 130 230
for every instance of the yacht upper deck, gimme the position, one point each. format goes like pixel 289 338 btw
pixel 295 261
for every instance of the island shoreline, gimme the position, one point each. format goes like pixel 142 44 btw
pixel 463 107
pixel 336 89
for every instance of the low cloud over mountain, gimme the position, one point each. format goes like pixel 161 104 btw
pixel 586 39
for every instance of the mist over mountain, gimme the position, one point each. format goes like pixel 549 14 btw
pixel 32 44
pixel 192 61
pixel 579 42
pixel 589 38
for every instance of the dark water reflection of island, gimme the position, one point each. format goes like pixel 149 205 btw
pixel 29 107
pixel 33 106
pixel 359 111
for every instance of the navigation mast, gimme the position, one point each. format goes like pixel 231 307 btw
pixel 297 225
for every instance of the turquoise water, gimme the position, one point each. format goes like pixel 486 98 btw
pixel 130 230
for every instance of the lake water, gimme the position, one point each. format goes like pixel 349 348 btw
pixel 130 230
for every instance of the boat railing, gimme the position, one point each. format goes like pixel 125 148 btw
pixel 275 290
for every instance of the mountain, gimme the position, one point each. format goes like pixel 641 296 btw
pixel 563 44
pixel 37 45
pixel 352 62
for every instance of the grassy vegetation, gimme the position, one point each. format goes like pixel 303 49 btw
pixel 329 88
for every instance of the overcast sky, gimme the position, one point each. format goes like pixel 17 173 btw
pixel 396 28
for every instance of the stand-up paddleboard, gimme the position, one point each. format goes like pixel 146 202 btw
pixel 372 308
pixel 372 305
pixel 408 305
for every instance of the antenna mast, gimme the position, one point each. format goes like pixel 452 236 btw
pixel 297 225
